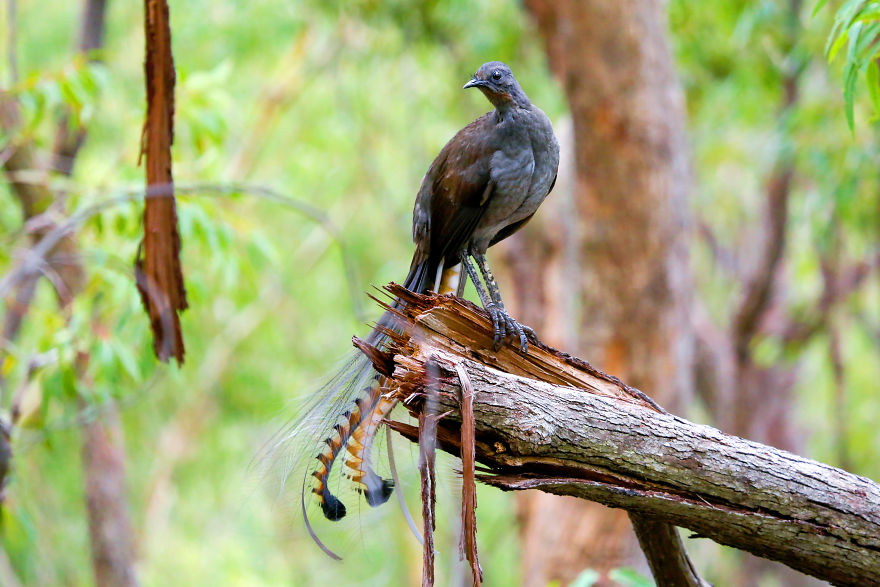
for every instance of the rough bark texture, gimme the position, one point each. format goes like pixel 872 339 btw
pixel 159 276
pixel 601 440
pixel 622 246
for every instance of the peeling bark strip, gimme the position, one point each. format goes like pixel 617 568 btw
pixel 159 276
pixel 468 544
pixel 427 427
pixel 598 441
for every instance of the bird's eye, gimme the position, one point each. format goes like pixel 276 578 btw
pixel 496 75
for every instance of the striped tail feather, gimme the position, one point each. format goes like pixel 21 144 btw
pixel 376 489
pixel 332 508
pixel 356 429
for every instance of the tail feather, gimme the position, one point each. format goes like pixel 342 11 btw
pixel 356 429
pixel 421 276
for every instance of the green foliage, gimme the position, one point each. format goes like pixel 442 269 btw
pixel 330 112
pixel 856 27
pixel 628 577
pixel 587 578
pixel 624 577
pixel 337 108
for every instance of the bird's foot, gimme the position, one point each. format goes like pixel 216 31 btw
pixel 505 326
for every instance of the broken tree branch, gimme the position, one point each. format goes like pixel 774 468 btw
pixel 548 421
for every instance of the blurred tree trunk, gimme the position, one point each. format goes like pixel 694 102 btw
pixel 102 451
pixel 103 462
pixel 617 236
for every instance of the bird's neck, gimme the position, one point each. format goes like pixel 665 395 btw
pixel 506 102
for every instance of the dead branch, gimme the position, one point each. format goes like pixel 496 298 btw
pixel 36 200
pixel 548 421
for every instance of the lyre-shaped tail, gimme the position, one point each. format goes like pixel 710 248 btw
pixel 375 489
pixel 356 429
pixel 355 432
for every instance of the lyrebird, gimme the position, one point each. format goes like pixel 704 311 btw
pixel 485 184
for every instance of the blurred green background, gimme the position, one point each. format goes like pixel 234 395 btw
pixel 343 105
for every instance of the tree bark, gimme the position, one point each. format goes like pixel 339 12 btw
pixel 548 421
pixel 159 275
pixel 627 264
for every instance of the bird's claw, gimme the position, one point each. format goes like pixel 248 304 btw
pixel 505 326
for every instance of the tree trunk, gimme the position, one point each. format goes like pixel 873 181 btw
pixel 103 457
pixel 625 263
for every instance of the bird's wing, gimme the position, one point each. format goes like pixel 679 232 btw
pixel 455 190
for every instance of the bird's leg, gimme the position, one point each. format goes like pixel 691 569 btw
pixel 491 284
pixel 513 327
pixel 502 323
pixel 498 325
pixel 472 273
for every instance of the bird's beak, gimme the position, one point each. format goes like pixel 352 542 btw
pixel 473 84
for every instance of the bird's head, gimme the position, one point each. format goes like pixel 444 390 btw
pixel 497 83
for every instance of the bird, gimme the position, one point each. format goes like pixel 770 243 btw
pixel 482 187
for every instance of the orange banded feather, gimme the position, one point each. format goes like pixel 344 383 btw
pixel 356 428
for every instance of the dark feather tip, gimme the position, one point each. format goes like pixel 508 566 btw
pixel 377 498
pixel 333 509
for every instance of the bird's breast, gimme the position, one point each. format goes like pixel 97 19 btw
pixel 522 170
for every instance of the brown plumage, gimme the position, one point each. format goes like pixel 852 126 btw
pixel 485 184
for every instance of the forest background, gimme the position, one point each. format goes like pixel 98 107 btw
pixel 302 131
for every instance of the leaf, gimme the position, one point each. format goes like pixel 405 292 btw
pixel 872 78
pixel 586 578
pixel 629 577
pixel 126 358
pixel 869 15
pixel 851 75
pixel 818 7
pixel 834 47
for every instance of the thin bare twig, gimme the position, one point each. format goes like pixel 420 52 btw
pixel 28 263
pixel 68 139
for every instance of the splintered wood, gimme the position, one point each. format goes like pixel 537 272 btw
pixel 545 420
pixel 450 329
